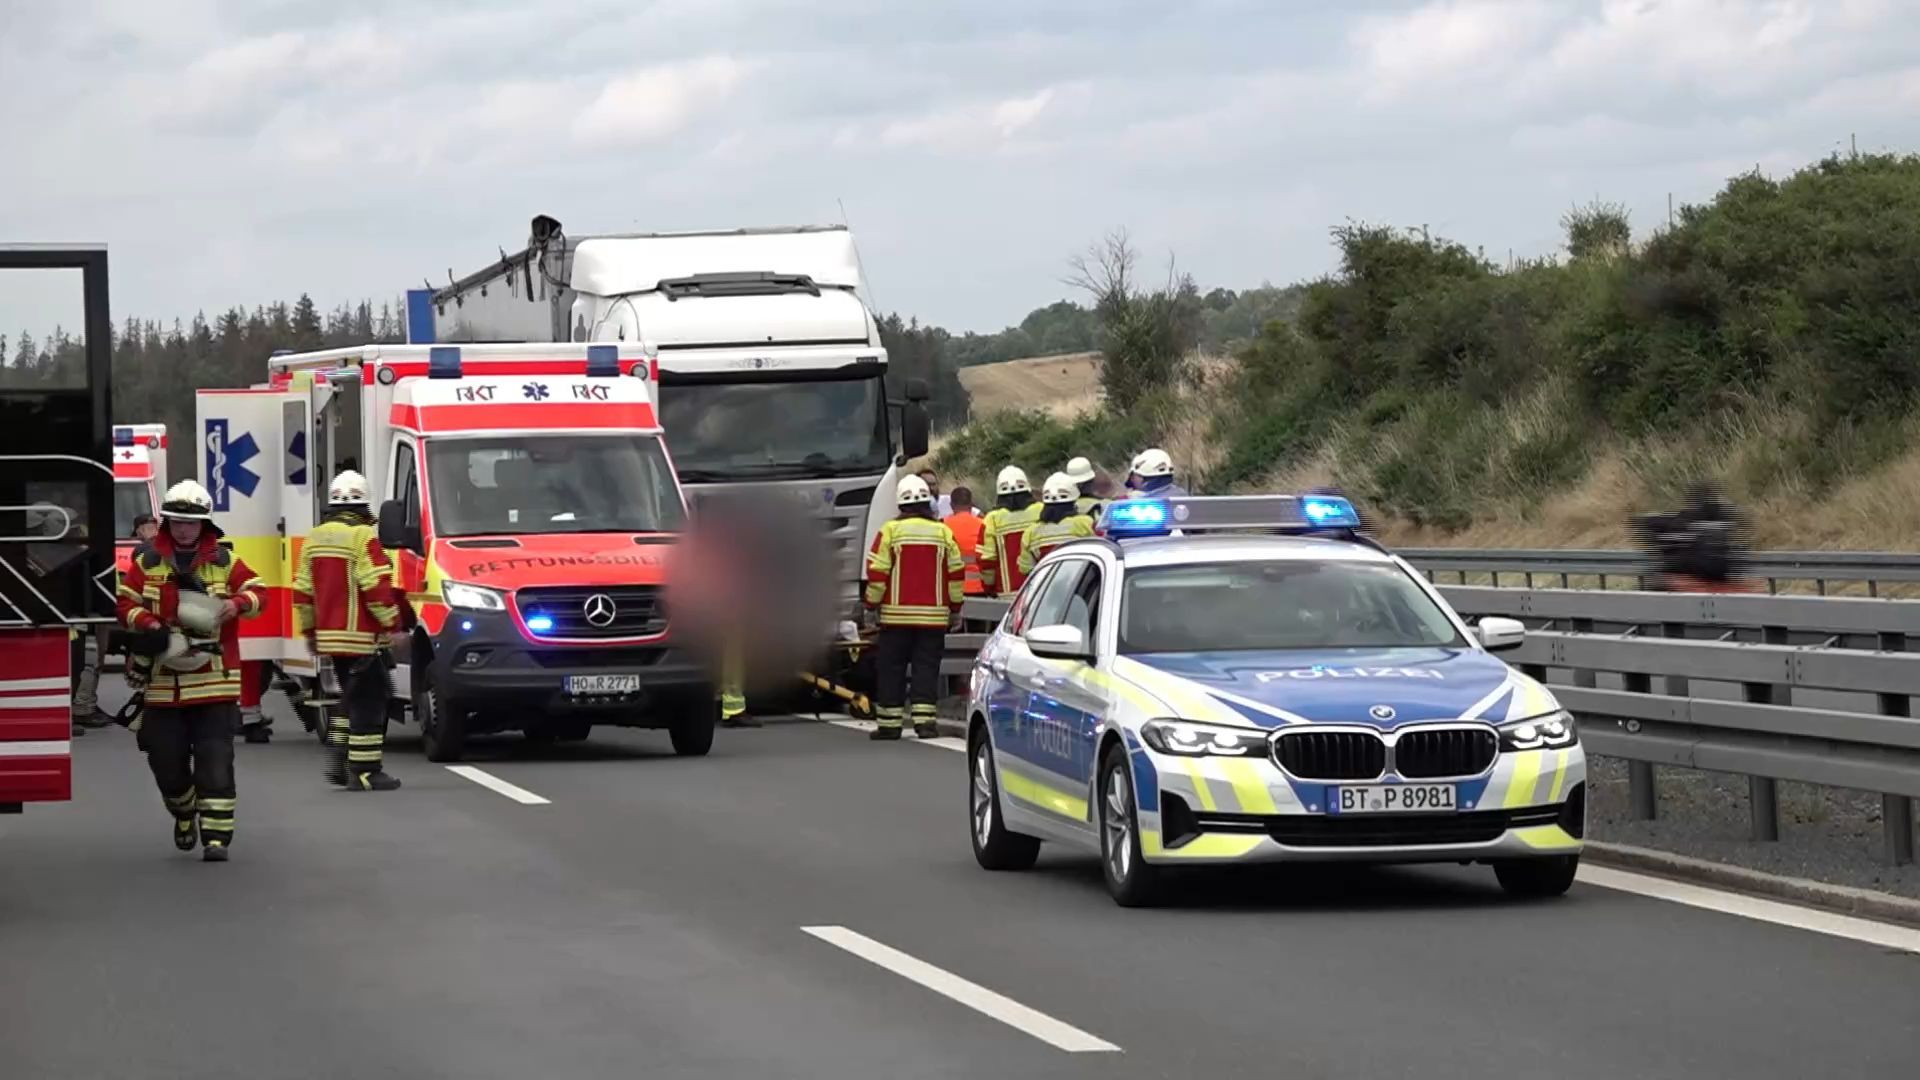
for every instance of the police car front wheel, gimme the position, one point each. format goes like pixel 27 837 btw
pixel 1537 878
pixel 994 848
pixel 1131 880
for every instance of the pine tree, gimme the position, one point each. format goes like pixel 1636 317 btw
pixel 306 324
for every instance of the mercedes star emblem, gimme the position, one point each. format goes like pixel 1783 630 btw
pixel 1378 712
pixel 599 609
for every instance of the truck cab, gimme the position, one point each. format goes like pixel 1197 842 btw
pixel 530 506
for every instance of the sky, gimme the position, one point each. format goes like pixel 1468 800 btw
pixel 237 152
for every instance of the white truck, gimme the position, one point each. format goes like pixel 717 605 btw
pixel 770 360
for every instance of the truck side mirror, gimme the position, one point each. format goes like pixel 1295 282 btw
pixel 917 390
pixel 395 533
pixel 913 429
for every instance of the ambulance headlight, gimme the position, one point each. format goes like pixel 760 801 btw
pixel 1188 739
pixel 471 597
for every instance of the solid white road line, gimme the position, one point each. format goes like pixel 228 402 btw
pixel 944 742
pixel 1752 907
pixel 488 780
pixel 972 995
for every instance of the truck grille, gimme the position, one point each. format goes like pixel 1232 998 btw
pixel 1444 752
pixel 637 610
pixel 1331 755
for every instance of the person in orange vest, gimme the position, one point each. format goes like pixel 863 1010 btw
pixel 914 579
pixel 1060 521
pixel 968 527
pixel 182 598
pixel 1006 533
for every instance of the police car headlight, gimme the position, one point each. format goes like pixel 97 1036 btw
pixel 1188 739
pixel 1549 731
pixel 471 597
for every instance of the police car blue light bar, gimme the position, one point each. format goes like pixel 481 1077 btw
pixel 1143 517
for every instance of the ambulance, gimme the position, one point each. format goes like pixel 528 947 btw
pixel 527 497
pixel 139 479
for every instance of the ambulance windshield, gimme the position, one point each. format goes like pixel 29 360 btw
pixel 532 484
pixel 130 499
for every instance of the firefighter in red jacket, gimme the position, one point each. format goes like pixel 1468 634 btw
pixel 915 577
pixel 344 604
pixel 182 596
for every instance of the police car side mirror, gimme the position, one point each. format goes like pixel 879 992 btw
pixel 1500 635
pixel 395 533
pixel 1059 642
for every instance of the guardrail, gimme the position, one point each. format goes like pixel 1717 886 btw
pixel 1822 568
pixel 1757 649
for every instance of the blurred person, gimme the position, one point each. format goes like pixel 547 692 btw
pixel 914 583
pixel 1699 548
pixel 145 528
pixel 968 527
pixel 1060 521
pixel 1006 532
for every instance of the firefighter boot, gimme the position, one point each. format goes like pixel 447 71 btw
pixel 364 753
pixel 216 851
pixel 373 781
pixel 337 751
pixel 924 723
pixel 186 826
pixel 888 719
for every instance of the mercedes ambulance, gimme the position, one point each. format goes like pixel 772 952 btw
pixel 139 478
pixel 530 506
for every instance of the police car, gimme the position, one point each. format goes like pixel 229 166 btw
pixel 1249 679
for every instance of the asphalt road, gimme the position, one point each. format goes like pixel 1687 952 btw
pixel 647 921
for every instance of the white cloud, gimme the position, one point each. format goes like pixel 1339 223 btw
pixel 975 126
pixel 645 105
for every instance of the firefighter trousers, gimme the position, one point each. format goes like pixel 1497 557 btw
pixel 365 688
pixel 907 666
pixel 190 750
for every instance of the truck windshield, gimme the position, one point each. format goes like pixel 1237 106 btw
pixel 524 484
pixel 775 430
pixel 130 500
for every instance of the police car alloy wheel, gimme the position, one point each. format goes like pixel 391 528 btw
pixel 1131 880
pixel 994 848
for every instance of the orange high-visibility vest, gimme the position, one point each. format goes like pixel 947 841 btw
pixel 967 528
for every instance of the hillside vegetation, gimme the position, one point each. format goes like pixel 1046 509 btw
pixel 1769 339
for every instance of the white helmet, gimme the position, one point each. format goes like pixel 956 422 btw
pixel 187 501
pixel 349 489
pixel 1059 488
pixel 1012 479
pixel 912 490
pixel 198 614
pixel 1079 470
pixel 1152 462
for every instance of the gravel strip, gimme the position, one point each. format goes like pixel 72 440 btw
pixel 1826 834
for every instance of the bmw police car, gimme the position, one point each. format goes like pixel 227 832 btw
pixel 1174 693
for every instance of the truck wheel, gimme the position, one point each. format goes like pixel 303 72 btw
pixel 443 727
pixel 692 727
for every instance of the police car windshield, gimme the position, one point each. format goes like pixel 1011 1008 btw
pixel 1278 604
pixel 531 484
pixel 776 430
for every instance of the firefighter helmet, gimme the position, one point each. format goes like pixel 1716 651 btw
pixel 199 614
pixel 1059 488
pixel 1079 470
pixel 349 489
pixel 1011 480
pixel 187 501
pixel 913 490
pixel 1152 462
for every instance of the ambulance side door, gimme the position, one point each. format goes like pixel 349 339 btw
pixel 404 488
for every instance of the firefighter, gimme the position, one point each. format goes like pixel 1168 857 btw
pixel 1081 473
pixel 1152 474
pixel 914 576
pixel 1060 521
pixel 344 604
pixel 1006 531
pixel 182 596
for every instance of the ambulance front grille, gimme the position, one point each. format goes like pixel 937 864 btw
pixel 581 612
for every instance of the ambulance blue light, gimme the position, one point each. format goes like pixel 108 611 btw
pixel 443 362
pixel 539 624
pixel 123 436
pixel 466 626
pixel 1137 517
pixel 1329 512
pixel 603 360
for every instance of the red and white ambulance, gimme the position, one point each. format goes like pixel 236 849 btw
pixel 529 501
pixel 139 479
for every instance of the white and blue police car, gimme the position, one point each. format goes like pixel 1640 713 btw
pixel 1250 679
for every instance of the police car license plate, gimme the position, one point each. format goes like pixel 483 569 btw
pixel 590 685
pixel 1393 799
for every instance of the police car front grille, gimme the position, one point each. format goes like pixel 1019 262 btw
pixel 1420 755
pixel 638 610
pixel 1331 755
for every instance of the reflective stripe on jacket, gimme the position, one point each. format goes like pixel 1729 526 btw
pixel 915 573
pixel 1047 535
pixel 149 599
pixel 343 591
pixel 1000 548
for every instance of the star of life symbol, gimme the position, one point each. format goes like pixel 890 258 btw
pixel 535 391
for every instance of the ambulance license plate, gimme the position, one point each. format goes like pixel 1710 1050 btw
pixel 602 685
pixel 1393 799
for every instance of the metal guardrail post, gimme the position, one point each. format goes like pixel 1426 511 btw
pixel 1896 811
pixel 1763 793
